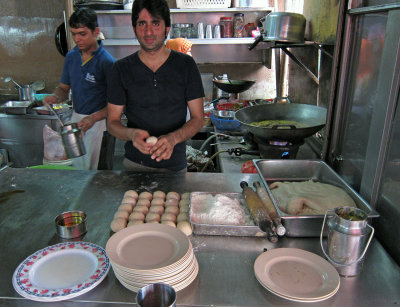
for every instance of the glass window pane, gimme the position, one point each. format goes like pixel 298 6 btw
pixel 361 86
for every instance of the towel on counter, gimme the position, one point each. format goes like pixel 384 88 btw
pixel 180 44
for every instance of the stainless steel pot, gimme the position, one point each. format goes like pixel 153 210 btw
pixel 284 27
pixel 71 136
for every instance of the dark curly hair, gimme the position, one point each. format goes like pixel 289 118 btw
pixel 84 17
pixel 157 8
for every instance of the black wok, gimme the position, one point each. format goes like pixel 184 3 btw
pixel 312 116
pixel 233 86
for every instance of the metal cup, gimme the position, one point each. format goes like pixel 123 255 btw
pixel 71 224
pixel 217 31
pixel 158 294
pixel 209 31
pixel 200 30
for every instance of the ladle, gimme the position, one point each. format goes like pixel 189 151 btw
pixel 8 79
pixel 54 112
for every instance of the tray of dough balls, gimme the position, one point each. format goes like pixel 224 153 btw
pixel 169 208
pixel 221 214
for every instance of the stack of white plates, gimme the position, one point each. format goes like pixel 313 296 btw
pixel 151 253
pixel 296 275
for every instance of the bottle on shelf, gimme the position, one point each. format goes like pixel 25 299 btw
pixel 238 25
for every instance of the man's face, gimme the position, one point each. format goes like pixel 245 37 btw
pixel 150 31
pixel 85 38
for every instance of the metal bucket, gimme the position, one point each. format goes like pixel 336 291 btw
pixel 348 239
pixel 26 92
pixel 72 138
pixel 284 27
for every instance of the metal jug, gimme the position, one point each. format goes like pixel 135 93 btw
pixel 71 136
pixel 349 236
pixel 26 93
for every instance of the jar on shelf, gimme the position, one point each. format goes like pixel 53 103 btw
pixel 184 30
pixel 226 27
pixel 238 25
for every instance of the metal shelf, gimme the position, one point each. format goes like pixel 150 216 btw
pixel 195 41
pixel 205 10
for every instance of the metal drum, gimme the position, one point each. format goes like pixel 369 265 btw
pixel 348 239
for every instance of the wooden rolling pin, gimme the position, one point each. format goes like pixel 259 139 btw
pixel 258 212
pixel 266 200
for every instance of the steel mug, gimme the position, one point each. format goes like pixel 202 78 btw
pixel 200 30
pixel 209 31
pixel 217 31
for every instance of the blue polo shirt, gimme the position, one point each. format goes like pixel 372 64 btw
pixel 88 80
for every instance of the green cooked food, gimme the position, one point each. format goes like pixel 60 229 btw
pixel 272 123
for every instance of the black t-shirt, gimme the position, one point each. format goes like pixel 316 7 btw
pixel 156 101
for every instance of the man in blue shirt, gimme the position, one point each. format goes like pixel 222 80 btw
pixel 86 70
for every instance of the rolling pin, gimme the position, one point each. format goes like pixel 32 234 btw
pixel 258 212
pixel 266 200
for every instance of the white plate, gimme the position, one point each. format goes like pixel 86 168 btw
pixel 62 271
pixel 147 247
pixel 296 274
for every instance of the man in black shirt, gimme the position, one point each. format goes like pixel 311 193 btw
pixel 156 86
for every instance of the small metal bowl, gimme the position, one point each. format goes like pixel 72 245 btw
pixel 71 224
pixel 158 294
pixel 224 114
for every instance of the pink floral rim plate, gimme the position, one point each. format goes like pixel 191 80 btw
pixel 61 271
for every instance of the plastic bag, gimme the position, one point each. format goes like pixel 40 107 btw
pixel 53 146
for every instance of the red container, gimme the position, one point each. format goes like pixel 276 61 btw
pixel 226 24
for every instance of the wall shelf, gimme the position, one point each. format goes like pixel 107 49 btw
pixel 195 41
pixel 205 10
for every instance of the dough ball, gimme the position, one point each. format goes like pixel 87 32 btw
pixel 158 201
pixel 151 216
pixel 142 209
pixel 118 224
pixel 151 140
pixel 169 223
pixel 183 203
pixel 135 222
pixel 174 195
pixel 157 209
pixel 126 207
pixel 172 209
pixel 129 200
pixel 185 227
pixel 185 196
pixel 183 209
pixel 172 202
pixel 159 194
pixel 168 217
pixel 182 217
pixel 132 193
pixel 121 214
pixel 136 216
pixel 146 195
pixel 143 202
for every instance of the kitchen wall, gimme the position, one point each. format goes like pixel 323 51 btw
pixel 27 46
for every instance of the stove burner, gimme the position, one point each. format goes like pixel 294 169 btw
pixel 278 149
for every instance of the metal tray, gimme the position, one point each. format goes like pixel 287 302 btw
pixel 58 108
pixel 16 107
pixel 226 230
pixel 302 170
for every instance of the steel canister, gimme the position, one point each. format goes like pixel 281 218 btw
pixel 349 236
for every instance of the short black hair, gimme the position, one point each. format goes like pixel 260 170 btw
pixel 157 8
pixel 84 17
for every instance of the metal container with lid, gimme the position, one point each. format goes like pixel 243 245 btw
pixel 238 25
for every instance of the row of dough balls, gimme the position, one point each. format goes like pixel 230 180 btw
pixel 166 208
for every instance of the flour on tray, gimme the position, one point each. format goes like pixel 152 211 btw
pixel 218 209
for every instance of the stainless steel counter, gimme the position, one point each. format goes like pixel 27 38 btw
pixel 226 275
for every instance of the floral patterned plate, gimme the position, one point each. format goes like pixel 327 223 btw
pixel 61 271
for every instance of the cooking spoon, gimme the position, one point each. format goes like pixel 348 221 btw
pixel 54 112
pixel 8 79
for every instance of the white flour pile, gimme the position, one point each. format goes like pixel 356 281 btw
pixel 218 209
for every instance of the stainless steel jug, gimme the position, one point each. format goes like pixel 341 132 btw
pixel 26 92
pixel 349 236
pixel 71 136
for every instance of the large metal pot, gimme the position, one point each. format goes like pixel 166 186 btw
pixel 312 116
pixel 284 27
pixel 26 93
